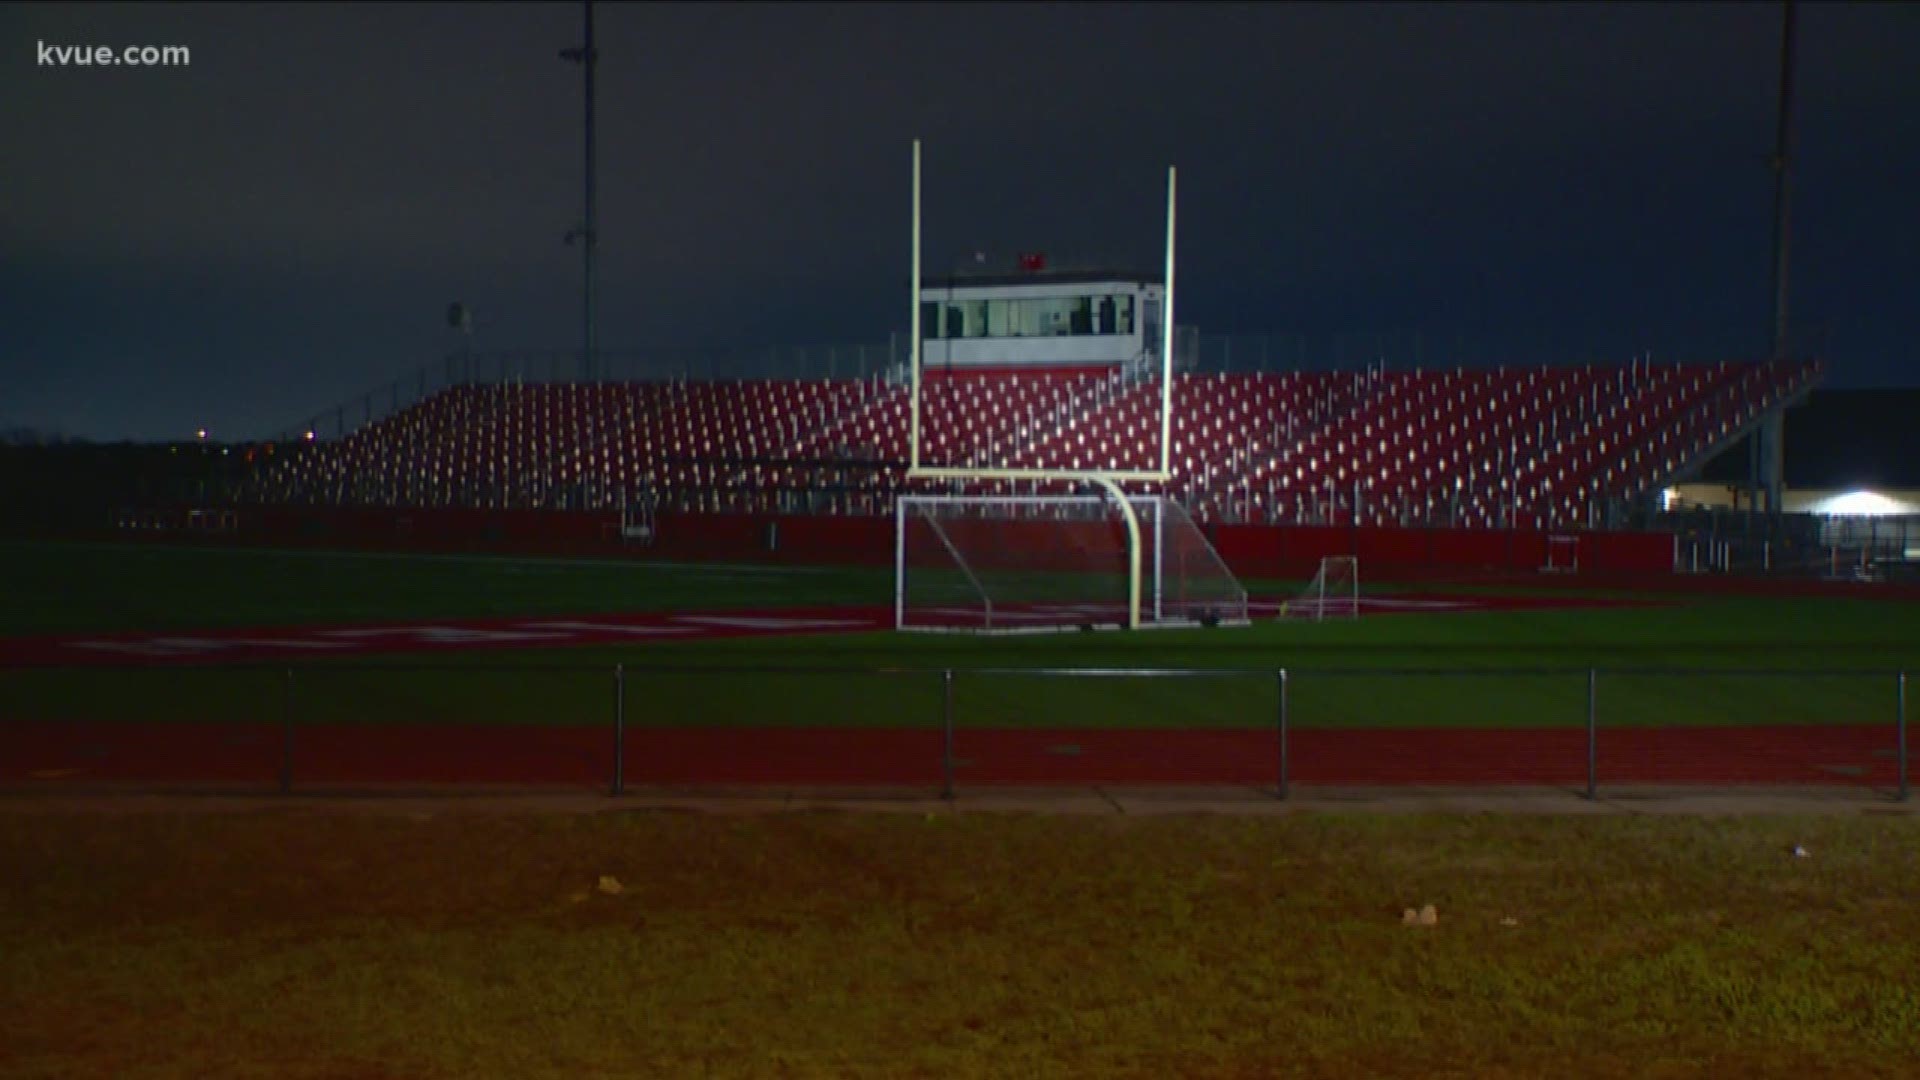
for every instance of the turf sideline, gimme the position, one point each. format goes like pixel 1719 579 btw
pixel 250 644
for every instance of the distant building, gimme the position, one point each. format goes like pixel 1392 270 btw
pixel 1848 453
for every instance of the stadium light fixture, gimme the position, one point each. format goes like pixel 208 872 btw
pixel 200 434
pixel 309 436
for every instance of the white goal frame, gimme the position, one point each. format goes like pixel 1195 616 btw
pixel 1316 591
pixel 1130 508
pixel 1558 543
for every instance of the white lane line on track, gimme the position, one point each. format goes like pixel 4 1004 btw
pixel 737 622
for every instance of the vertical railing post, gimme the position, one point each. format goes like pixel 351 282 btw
pixel 1900 734
pixel 1593 735
pixel 286 733
pixel 1280 683
pixel 946 726
pixel 619 730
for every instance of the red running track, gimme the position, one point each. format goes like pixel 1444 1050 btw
pixel 51 755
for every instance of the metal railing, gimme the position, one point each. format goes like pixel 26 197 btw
pixel 326 726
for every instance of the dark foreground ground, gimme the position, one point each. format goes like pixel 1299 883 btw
pixel 421 939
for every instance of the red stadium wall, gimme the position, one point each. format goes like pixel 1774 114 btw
pixel 1294 551
pixel 436 528
pixel 1251 550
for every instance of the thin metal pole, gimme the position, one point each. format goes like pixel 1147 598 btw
pixel 900 564
pixel 586 57
pixel 1593 736
pixel 913 329
pixel 619 729
pixel 946 756
pixel 1167 339
pixel 592 238
pixel 1782 163
pixel 1900 737
pixel 1281 682
pixel 286 733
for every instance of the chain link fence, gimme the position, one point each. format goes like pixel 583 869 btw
pixel 345 726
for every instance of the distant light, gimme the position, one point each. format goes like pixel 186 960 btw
pixel 1669 497
pixel 1861 504
pixel 309 436
pixel 201 434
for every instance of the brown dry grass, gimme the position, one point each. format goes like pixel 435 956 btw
pixel 312 944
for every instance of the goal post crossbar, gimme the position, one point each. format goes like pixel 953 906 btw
pixel 1061 475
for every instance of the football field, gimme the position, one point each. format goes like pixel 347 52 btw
pixel 498 669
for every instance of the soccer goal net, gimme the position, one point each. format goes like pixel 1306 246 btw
pixel 1009 564
pixel 1334 592
pixel 1563 555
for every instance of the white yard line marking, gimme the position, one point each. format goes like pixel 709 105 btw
pixel 446 635
pixel 767 623
pixel 611 628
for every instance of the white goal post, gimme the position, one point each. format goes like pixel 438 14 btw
pixel 1040 563
pixel 1563 555
pixel 1334 592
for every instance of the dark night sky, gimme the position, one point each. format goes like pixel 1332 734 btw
pixel 281 224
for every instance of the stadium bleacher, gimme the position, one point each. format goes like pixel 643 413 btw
pixel 1532 447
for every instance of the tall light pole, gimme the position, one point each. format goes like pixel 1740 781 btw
pixel 1782 153
pixel 587 233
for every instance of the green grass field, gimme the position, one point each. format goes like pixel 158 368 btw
pixel 75 588
pixel 468 937
pixel 1775 642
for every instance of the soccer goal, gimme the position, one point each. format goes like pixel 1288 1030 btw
pixel 1563 555
pixel 1038 563
pixel 1334 592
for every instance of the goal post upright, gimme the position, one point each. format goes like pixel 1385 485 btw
pixel 1159 561
pixel 1132 521
pixel 899 563
pixel 1166 345
pixel 913 330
